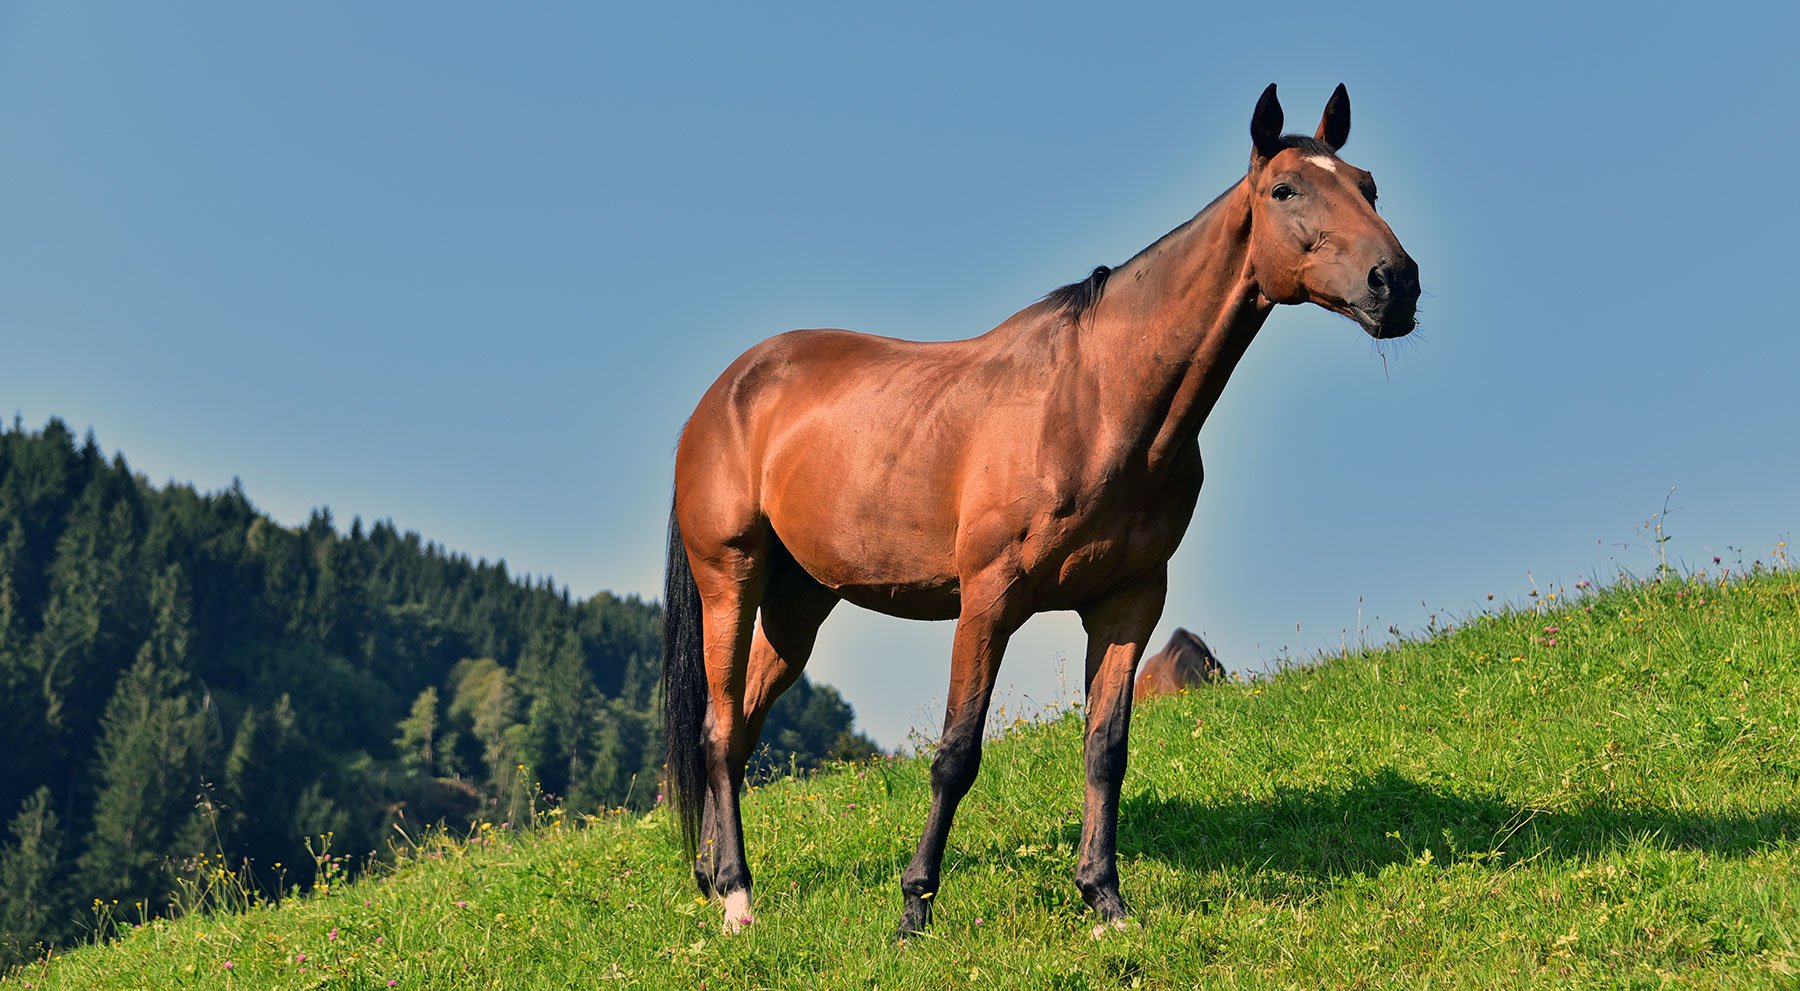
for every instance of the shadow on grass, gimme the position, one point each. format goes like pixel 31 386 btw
pixel 1303 840
pixel 1386 818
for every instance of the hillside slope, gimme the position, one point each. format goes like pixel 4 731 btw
pixel 1601 792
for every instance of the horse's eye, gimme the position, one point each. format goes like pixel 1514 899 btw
pixel 1283 192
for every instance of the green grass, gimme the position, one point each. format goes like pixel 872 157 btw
pixel 1479 809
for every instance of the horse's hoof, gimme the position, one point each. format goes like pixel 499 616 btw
pixel 913 922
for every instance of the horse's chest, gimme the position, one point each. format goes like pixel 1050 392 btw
pixel 1122 532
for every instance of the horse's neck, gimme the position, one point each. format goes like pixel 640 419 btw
pixel 1171 326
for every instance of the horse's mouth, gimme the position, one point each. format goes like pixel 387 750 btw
pixel 1389 331
pixel 1385 324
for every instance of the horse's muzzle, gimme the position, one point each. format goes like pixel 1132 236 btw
pixel 1392 306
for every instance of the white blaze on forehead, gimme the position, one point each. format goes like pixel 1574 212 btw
pixel 1322 162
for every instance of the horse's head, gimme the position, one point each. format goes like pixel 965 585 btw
pixel 1315 236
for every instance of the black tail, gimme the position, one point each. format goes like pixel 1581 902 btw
pixel 684 691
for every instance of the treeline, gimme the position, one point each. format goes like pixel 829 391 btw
pixel 181 677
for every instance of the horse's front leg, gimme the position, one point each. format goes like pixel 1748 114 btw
pixel 1117 629
pixel 982 631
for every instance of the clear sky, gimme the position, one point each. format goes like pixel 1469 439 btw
pixel 469 267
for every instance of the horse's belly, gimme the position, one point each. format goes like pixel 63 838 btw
pixel 874 559
pixel 936 601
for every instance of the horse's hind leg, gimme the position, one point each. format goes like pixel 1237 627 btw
pixel 731 584
pixel 793 607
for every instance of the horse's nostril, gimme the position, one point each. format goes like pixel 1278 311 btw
pixel 1409 276
pixel 1377 284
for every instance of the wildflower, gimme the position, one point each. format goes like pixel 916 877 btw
pixel 332 935
pixel 229 965
pixel 462 904
pixel 978 920
pixel 299 958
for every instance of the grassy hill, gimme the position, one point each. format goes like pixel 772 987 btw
pixel 1597 790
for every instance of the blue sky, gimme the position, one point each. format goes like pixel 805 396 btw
pixel 470 267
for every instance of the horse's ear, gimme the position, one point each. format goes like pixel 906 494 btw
pixel 1334 126
pixel 1265 125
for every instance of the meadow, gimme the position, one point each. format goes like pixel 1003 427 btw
pixel 1587 788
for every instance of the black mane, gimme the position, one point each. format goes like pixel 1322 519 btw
pixel 1079 297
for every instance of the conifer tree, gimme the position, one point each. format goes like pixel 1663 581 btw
pixel 486 703
pixel 92 618
pixel 21 703
pixel 148 774
pixel 423 743
pixel 32 907
pixel 560 714
pixel 267 769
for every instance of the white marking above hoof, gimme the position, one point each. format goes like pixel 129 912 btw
pixel 737 912
pixel 1116 925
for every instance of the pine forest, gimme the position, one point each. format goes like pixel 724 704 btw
pixel 185 683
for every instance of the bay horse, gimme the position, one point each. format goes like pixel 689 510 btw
pixel 1184 662
pixel 1051 463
